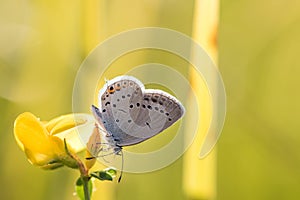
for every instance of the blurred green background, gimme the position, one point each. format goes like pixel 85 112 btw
pixel 42 45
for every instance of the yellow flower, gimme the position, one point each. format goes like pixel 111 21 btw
pixel 43 142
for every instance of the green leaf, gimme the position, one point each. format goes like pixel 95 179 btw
pixel 111 171
pixel 105 175
pixel 101 175
pixel 80 190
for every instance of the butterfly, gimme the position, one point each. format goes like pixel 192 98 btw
pixel 130 114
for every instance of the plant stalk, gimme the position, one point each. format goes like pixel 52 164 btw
pixel 83 172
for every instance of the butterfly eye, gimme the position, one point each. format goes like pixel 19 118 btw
pixel 111 89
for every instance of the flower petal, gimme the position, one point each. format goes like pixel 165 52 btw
pixel 29 132
pixel 43 143
pixel 65 122
pixel 35 141
pixel 74 128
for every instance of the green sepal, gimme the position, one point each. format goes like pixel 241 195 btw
pixel 51 166
pixel 68 160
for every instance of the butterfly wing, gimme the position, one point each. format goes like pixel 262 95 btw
pixel 164 109
pixel 132 114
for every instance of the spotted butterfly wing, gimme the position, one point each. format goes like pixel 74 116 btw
pixel 132 114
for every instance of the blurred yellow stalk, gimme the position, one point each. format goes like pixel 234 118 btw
pixel 199 176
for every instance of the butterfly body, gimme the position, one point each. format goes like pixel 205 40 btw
pixel 132 114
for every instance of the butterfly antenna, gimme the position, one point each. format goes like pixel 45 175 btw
pixel 121 166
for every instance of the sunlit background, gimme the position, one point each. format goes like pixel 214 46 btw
pixel 42 45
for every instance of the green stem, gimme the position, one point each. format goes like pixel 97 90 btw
pixel 83 172
pixel 85 181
